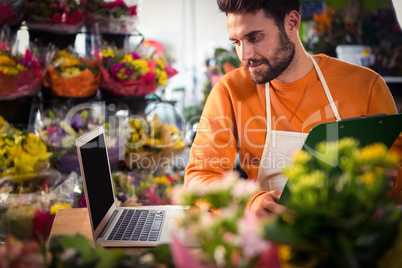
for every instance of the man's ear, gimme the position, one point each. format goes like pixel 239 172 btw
pixel 292 22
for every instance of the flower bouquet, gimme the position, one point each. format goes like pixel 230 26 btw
pixel 129 74
pixel 111 17
pixel 58 16
pixel 231 237
pixel 60 127
pixel 20 75
pixel 153 144
pixel 11 11
pixel 22 156
pixel 141 187
pixel 339 212
pixel 69 75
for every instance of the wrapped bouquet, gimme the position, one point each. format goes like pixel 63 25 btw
pixel 72 76
pixel 59 130
pixel 59 16
pixel 129 74
pixel 11 11
pixel 152 144
pixel 111 17
pixel 22 156
pixel 20 75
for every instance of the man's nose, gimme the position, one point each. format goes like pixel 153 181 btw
pixel 245 52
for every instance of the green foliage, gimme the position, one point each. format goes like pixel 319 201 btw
pixel 339 213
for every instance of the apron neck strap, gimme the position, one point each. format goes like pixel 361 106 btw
pixel 326 89
pixel 324 85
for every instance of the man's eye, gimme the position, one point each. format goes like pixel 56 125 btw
pixel 235 42
pixel 254 38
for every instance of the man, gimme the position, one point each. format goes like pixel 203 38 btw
pixel 264 109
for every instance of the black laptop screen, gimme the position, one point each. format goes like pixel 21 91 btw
pixel 97 178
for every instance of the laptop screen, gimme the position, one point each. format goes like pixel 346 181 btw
pixel 97 178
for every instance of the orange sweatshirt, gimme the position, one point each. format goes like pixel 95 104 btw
pixel 234 117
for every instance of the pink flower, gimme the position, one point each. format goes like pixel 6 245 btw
pixel 16 253
pixel 116 3
pixel 133 10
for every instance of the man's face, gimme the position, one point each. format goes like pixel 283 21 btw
pixel 264 50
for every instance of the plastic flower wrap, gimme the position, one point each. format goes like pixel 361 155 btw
pixel 60 127
pixel 340 214
pixel 72 76
pixel 20 75
pixel 59 16
pixel 129 74
pixel 234 238
pixel 111 17
pixel 11 11
pixel 152 144
pixel 144 188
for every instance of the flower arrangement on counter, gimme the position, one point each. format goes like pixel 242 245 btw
pixel 111 17
pixel 129 74
pixel 11 11
pixel 69 75
pixel 144 188
pixel 55 15
pixel 20 75
pixel 59 129
pixel 339 212
pixel 152 144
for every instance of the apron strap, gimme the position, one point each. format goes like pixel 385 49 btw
pixel 326 89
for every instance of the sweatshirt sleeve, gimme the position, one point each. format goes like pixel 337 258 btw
pixel 214 149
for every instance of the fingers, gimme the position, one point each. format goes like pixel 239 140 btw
pixel 265 205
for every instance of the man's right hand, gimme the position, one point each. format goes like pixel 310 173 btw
pixel 266 204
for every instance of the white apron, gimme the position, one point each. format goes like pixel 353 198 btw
pixel 280 145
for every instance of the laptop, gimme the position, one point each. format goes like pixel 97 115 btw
pixel 112 226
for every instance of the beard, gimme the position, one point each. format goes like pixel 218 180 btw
pixel 281 60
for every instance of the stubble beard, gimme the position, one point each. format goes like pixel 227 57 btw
pixel 283 57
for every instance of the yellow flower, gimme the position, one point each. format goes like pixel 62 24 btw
pixel 160 64
pixel 162 78
pixel 24 164
pixel 70 62
pixel 16 151
pixel 368 177
pixel 107 53
pixel 128 58
pixel 35 146
pixel 70 72
pixel 141 66
pixel 162 180
pixel 4 60
pixel 10 71
pixel 57 206
pixel 373 151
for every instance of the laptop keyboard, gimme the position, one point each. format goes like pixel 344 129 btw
pixel 138 225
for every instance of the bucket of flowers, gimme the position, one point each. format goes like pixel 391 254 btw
pixel 113 17
pixel 59 127
pixel 54 21
pixel 129 74
pixel 69 75
pixel 152 144
pixel 20 75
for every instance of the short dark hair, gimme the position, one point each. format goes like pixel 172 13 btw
pixel 276 9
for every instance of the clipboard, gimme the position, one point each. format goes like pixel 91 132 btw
pixel 367 130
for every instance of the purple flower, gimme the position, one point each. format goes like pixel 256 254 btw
pixel 76 122
pixel 128 71
pixel 135 55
